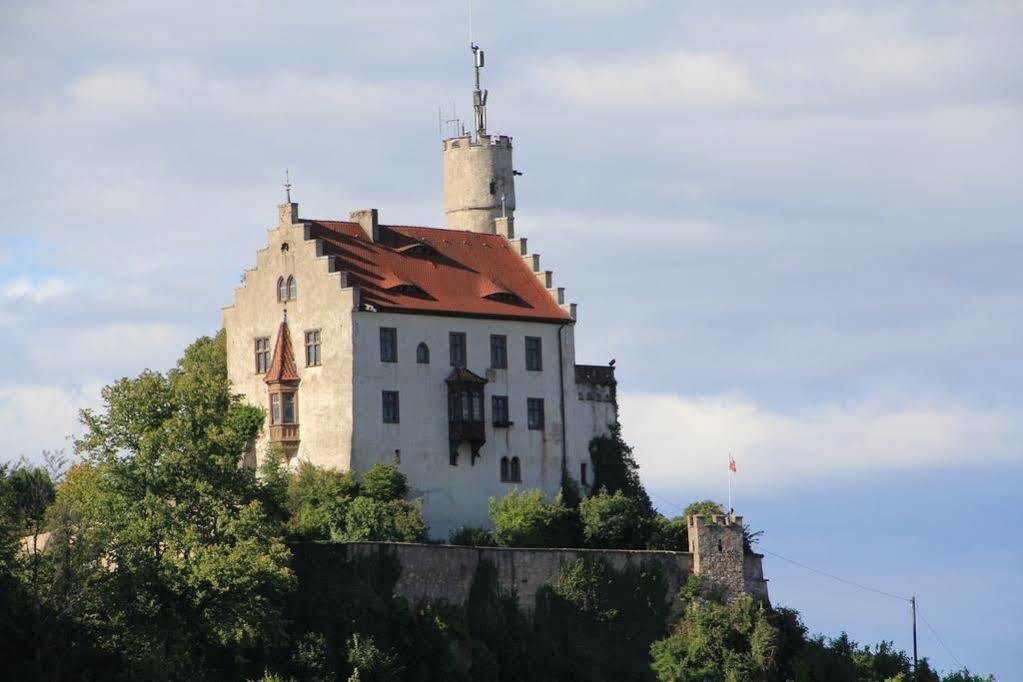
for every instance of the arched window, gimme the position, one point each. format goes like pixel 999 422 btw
pixel 282 290
pixel 504 469
pixel 423 354
pixel 292 289
pixel 516 470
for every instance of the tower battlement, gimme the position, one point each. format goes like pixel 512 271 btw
pixel 463 141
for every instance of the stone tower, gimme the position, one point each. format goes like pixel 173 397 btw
pixel 716 543
pixel 479 179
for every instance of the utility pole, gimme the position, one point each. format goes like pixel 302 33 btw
pixel 916 677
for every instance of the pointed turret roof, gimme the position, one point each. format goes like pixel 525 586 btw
pixel 282 366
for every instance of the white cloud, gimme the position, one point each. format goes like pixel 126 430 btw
pixel 659 82
pixel 685 441
pixel 33 291
pixel 37 417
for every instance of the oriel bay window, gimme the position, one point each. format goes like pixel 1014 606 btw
pixel 283 408
pixel 466 419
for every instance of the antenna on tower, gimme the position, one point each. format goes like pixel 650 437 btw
pixel 479 97
pixel 287 185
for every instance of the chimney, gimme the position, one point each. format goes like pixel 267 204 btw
pixel 369 221
pixel 287 213
pixel 505 226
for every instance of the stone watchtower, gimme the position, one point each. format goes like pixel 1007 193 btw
pixel 716 544
pixel 479 179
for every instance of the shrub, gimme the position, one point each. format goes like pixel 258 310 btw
pixel 612 521
pixel 527 519
pixel 616 469
pixel 384 482
pixel 317 499
pixel 369 519
pixel 669 534
pixel 472 537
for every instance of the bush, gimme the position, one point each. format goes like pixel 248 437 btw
pixel 527 519
pixel 616 469
pixel 317 500
pixel 669 534
pixel 369 519
pixel 472 537
pixel 384 482
pixel 613 522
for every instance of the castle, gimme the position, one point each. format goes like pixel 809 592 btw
pixel 450 351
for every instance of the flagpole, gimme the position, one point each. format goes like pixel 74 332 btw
pixel 729 512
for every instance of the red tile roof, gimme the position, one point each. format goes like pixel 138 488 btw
pixel 432 270
pixel 282 366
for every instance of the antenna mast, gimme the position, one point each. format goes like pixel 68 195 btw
pixel 479 97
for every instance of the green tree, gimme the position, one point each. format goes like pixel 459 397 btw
pixel 613 521
pixel 669 534
pixel 194 570
pixel 318 499
pixel 716 641
pixel 528 519
pixel 370 519
pixel 384 482
pixel 615 468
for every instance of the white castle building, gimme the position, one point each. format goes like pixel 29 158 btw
pixel 448 350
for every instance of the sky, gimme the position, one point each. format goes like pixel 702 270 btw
pixel 794 225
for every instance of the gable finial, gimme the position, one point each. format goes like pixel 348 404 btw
pixel 285 314
pixel 287 185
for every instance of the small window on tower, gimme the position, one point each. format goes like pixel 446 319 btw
pixel 582 474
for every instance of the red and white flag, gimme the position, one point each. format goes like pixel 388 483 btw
pixel 731 465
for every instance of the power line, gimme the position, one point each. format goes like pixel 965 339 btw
pixel 847 582
pixel 835 577
pixel 938 637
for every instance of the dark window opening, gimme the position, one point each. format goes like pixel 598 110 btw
pixel 458 350
pixel 515 473
pixel 505 475
pixel 499 408
pixel 391 409
pixel 582 474
pixel 423 354
pixel 535 413
pixel 720 547
pixel 498 351
pixel 388 344
pixel 534 354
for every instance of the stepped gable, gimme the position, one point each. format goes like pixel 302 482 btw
pixel 433 270
pixel 282 366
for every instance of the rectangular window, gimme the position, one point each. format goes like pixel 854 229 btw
pixel 275 408
pixel 499 406
pixel 534 410
pixel 262 355
pixel 288 399
pixel 392 414
pixel 457 343
pixel 312 348
pixel 534 355
pixel 498 351
pixel 388 344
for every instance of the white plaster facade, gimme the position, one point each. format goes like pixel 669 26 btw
pixel 340 401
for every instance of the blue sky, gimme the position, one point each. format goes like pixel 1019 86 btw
pixel 795 226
